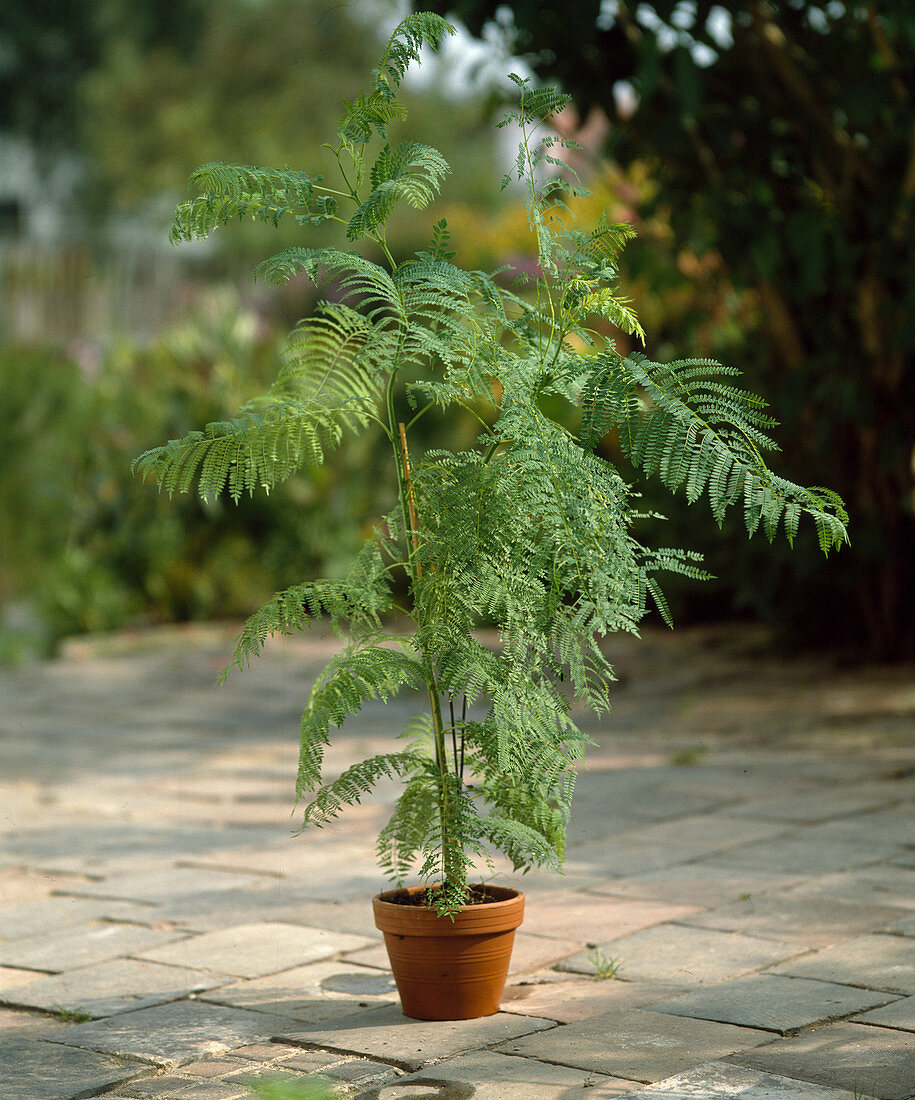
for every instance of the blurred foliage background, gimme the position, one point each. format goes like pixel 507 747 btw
pixel 766 153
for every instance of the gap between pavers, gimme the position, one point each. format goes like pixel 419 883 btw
pixel 815 922
pixel 871 962
pixel 389 1036
pixel 35 1069
pixel 586 918
pixel 173 1034
pixel 310 994
pixel 636 1044
pixel 875 1061
pixel 720 1081
pixel 253 950
pixel 555 996
pixel 487 1075
pixel 679 954
pixel 82 946
pixel 105 989
pixel 899 1015
pixel 773 1003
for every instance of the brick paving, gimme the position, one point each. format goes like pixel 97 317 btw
pixel 743 851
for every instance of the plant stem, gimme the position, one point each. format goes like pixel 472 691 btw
pixel 450 849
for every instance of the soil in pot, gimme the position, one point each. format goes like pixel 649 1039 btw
pixel 449 969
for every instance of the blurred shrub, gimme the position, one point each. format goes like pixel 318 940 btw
pixel 90 548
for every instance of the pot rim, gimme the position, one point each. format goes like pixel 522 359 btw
pixel 490 916
pixel 508 895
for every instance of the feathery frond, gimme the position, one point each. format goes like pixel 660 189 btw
pixel 410 173
pixel 350 679
pixel 236 191
pixel 419 29
pixel 678 421
pixel 358 601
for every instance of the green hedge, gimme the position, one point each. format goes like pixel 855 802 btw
pixel 90 548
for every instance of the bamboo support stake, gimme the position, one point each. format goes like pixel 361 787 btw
pixel 411 502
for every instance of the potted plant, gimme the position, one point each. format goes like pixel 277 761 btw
pixel 527 530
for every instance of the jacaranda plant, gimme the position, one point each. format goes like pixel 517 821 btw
pixel 529 530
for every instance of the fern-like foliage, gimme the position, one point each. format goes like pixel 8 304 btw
pixel 527 530
pixel 359 601
pixel 410 173
pixel 419 29
pixel 680 421
pixel 235 191
pixel 330 381
pixel 358 674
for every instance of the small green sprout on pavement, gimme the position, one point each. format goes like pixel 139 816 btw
pixel 71 1015
pixel 605 966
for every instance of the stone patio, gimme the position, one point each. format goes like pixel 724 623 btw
pixel 742 858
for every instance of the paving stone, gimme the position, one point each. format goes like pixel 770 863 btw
pixel 387 1034
pixel 56 914
pixel 872 1060
pixel 166 884
pixel 900 1014
pixel 173 1034
pixel 265 1052
pixel 699 884
pixel 815 922
pixel 222 1090
pixel 210 911
pixel 11 977
pixel 316 863
pixel 37 1070
pixel 486 1075
pixel 252 950
pixel 720 1081
pixel 116 846
pixel 20 884
pixel 891 825
pixel 566 1001
pixel 30 1025
pixel 131 734
pixel 312 993
pixel 873 962
pixel 888 884
pixel 666 843
pixel 81 946
pixel 684 956
pixel 808 853
pixel 163 1086
pixel 213 910
pixel 532 953
pixel 636 1044
pixel 772 1003
pixel 104 989
pixel 211 1067
pixel 589 919
pixel 814 806
pixel 360 1071
pixel 315 1061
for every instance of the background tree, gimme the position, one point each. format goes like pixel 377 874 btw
pixel 781 139
pixel 47 47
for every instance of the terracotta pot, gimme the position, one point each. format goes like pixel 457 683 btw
pixel 444 969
